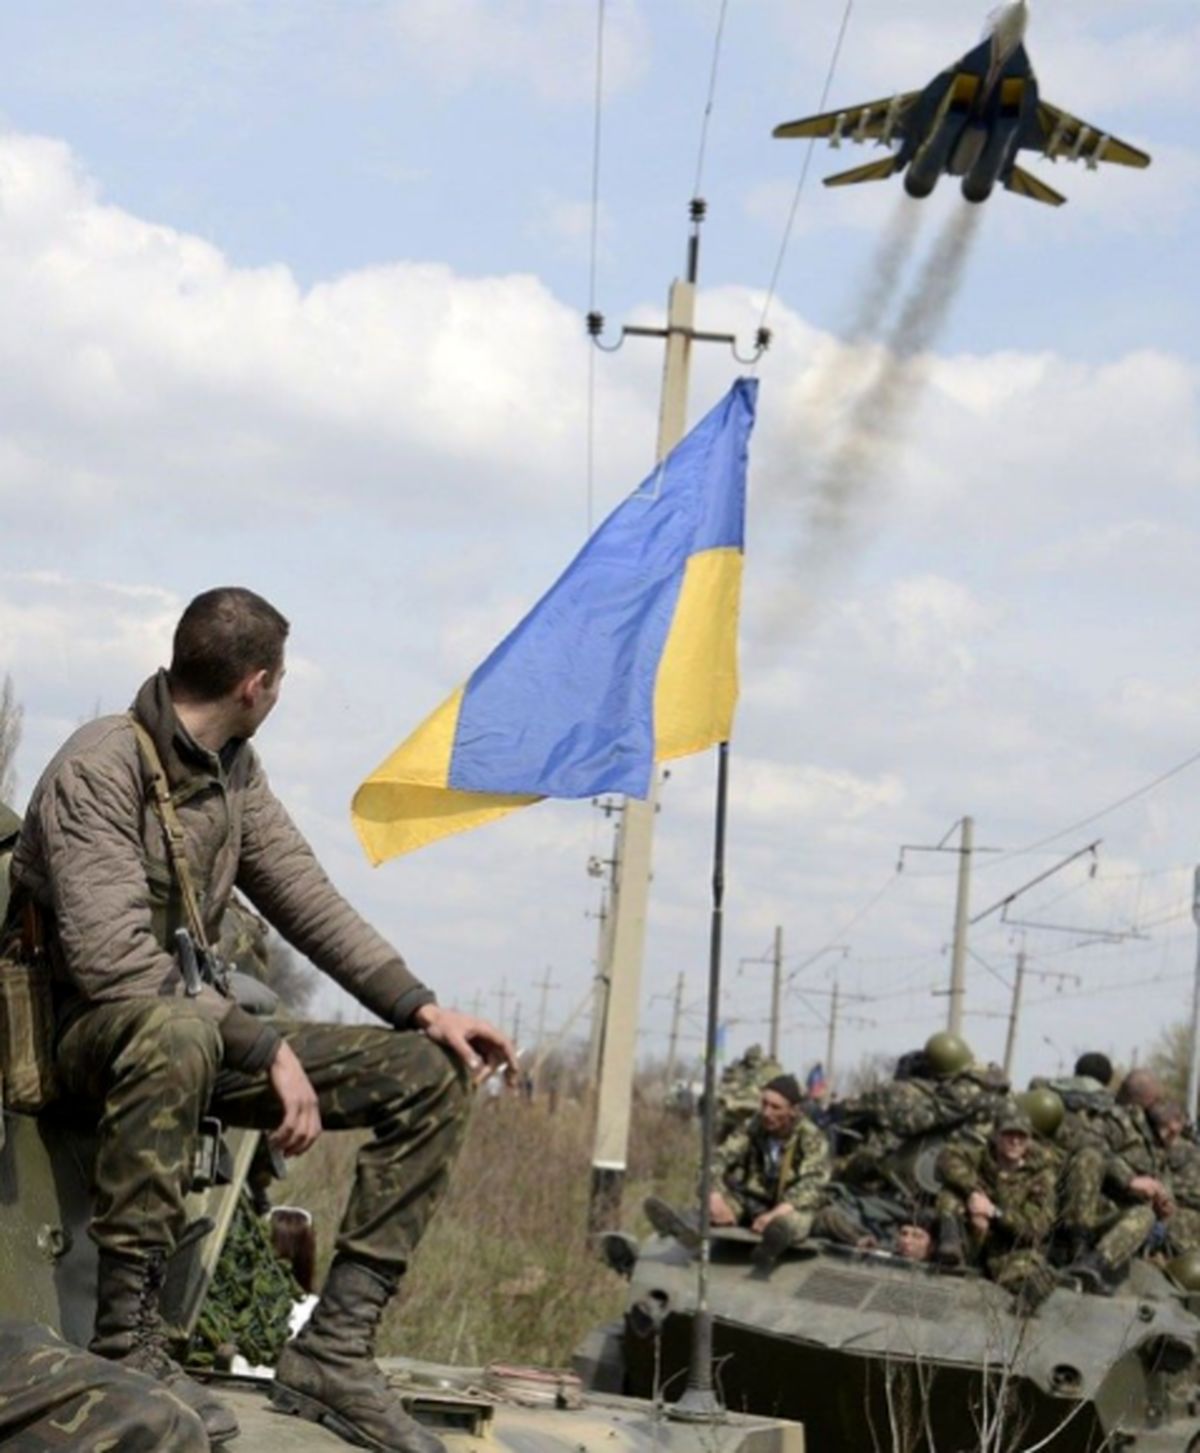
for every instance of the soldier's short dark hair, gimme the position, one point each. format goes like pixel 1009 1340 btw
pixel 1095 1066
pixel 222 637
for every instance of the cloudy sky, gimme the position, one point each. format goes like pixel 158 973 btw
pixel 293 297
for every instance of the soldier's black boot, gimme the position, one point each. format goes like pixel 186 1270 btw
pixel 775 1241
pixel 951 1251
pixel 130 1330
pixel 328 1374
pixel 667 1221
pixel 1093 1274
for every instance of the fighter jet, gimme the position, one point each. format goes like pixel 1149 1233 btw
pixel 971 121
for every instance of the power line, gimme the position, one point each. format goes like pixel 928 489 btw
pixel 708 105
pixel 808 156
pixel 592 261
pixel 1096 816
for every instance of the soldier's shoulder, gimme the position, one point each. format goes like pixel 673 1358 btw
pixel 105 743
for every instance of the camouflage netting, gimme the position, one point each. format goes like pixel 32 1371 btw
pixel 250 1299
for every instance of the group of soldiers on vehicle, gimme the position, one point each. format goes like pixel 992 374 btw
pixel 1064 1183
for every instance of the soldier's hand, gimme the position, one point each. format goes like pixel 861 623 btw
pixel 480 1045
pixel 719 1213
pixel 301 1123
pixel 1145 1188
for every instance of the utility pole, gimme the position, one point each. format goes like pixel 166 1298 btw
pixel 1193 1084
pixel 516 1029
pixel 502 998
pixel 962 907
pixel 776 991
pixel 831 1041
pixel 605 868
pixel 1010 1044
pixel 477 1004
pixel 543 986
pixel 635 839
pixel 673 1041
pixel 962 920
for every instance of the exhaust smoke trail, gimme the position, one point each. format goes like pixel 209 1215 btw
pixel 878 416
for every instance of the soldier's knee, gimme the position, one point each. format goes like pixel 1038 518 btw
pixel 178 1042
pixel 441 1072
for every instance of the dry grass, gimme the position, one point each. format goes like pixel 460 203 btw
pixel 506 1271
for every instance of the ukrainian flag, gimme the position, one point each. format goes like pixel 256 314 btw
pixel 629 659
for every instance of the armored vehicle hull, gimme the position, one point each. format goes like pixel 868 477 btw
pixel 871 1352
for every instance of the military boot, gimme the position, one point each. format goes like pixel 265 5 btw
pixel 328 1374
pixel 130 1330
pixel 667 1221
pixel 766 1255
pixel 951 1250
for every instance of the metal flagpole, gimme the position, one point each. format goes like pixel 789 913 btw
pixel 700 1402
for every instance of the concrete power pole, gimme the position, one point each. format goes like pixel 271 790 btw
pixel 958 960
pixel 831 1042
pixel 673 1041
pixel 776 991
pixel 1193 1084
pixel 631 889
pixel 1014 1016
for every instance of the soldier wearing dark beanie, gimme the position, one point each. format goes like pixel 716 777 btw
pixel 787 1086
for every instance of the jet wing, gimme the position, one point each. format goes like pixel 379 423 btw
pixel 1059 134
pixel 876 121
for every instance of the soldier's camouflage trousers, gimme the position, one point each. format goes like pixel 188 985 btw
pixel 1086 1210
pixel 1024 1267
pixel 56 1397
pixel 799 1225
pixel 153 1068
pixel 1122 1241
pixel 1183 1230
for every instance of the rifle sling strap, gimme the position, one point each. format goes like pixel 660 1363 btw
pixel 173 829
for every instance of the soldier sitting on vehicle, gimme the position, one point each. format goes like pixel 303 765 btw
pixel 885 1131
pixel 772 1175
pixel 1002 1192
pixel 1182 1157
pixel 1113 1187
pixel 738 1092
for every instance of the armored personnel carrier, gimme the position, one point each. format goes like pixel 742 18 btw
pixel 48 1272
pixel 872 1352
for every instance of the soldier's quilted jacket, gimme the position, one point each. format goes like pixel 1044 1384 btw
pixel 93 855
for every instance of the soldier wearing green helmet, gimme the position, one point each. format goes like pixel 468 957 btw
pixel 947 1053
pixel 1045 1110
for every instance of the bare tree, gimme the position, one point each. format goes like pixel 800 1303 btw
pixel 10 738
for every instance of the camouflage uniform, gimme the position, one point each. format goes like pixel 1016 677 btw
pixel 53 1396
pixel 1104 1145
pixel 752 1183
pixel 898 1113
pixel 1013 1250
pixel 1183 1171
pixel 155 1068
pixel 740 1088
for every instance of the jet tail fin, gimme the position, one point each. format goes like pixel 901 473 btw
pixel 874 171
pixel 1025 184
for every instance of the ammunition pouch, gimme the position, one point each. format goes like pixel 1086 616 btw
pixel 30 1083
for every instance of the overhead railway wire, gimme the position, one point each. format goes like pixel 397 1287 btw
pixel 785 241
